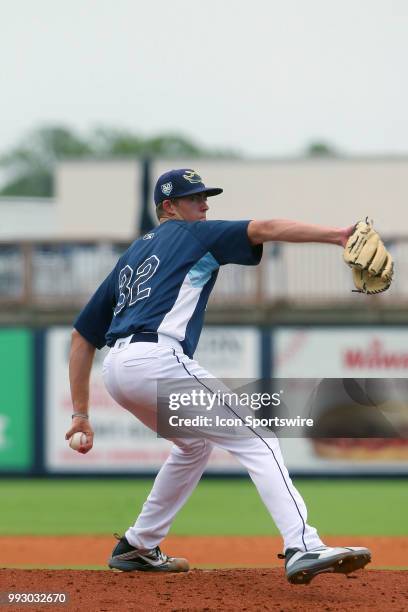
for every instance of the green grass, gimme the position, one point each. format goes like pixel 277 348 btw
pixel 217 507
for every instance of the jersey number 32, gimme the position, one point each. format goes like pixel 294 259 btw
pixel 132 289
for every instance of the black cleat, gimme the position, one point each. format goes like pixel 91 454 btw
pixel 126 558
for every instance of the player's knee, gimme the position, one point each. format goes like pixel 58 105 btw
pixel 193 447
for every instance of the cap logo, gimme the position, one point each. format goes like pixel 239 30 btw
pixel 167 188
pixel 192 177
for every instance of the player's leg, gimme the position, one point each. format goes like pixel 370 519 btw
pixel 130 376
pixel 173 485
pixel 305 554
pixel 263 460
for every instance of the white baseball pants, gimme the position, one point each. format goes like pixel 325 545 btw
pixel 130 374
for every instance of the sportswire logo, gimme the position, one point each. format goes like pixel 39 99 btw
pixel 375 356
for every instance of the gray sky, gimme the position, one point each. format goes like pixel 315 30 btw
pixel 264 77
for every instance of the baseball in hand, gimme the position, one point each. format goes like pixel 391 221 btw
pixel 77 440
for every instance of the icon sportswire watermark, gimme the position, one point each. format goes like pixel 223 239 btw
pixel 314 408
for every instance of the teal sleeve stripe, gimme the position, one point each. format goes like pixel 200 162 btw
pixel 201 272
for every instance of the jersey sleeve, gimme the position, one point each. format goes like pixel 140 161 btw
pixel 94 320
pixel 228 241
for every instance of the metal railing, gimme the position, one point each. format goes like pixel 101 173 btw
pixel 61 274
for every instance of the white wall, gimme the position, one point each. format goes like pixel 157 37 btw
pixel 98 199
pixel 27 218
pixel 336 192
pixel 102 199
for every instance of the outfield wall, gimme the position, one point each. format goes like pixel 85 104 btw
pixel 35 406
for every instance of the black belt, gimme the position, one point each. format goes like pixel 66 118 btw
pixel 145 337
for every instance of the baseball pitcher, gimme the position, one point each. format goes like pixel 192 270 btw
pixel 150 312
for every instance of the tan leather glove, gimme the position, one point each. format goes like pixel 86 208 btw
pixel 371 263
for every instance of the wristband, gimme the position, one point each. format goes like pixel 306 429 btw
pixel 80 415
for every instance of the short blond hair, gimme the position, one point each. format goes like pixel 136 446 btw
pixel 160 211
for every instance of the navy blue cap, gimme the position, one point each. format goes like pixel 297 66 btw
pixel 180 183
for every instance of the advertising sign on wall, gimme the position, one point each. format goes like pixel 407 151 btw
pixel 343 353
pixel 16 401
pixel 230 352
pixel 122 443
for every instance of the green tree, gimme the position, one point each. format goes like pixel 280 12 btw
pixel 108 143
pixel 320 149
pixel 30 165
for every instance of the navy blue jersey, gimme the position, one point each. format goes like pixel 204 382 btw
pixel 163 281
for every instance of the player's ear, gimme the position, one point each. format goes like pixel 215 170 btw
pixel 169 207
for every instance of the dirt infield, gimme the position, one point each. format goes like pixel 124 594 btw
pixel 201 551
pixel 200 589
pixel 234 589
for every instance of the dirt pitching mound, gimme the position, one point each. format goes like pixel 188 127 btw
pixel 234 589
